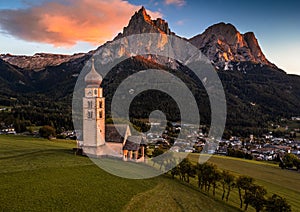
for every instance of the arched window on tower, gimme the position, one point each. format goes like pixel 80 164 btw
pixel 100 115
pixel 100 104
pixel 90 104
pixel 90 114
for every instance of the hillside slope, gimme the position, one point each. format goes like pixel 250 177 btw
pixel 33 169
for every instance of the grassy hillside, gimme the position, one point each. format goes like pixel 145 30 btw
pixel 274 179
pixel 42 175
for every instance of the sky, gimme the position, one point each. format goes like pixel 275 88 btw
pixel 72 26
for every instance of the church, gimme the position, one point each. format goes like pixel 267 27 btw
pixel 99 139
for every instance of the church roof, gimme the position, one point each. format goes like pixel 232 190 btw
pixel 93 78
pixel 133 143
pixel 116 132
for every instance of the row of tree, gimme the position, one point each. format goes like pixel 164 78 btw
pixel 210 178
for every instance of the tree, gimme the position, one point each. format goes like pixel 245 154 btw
pixel 191 172
pixel 186 170
pixel 243 183
pixel 227 181
pixel 223 185
pixel 255 196
pixel 217 176
pixel 175 171
pixel 207 176
pixel 205 173
pixel 200 174
pixel 297 164
pixel 47 131
pixel 277 204
pixel 20 125
pixel 290 160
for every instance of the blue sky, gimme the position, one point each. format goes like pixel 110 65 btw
pixel 276 25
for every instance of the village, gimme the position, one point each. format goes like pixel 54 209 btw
pixel 265 147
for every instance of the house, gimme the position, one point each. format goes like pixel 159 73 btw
pixel 9 130
pixel 286 149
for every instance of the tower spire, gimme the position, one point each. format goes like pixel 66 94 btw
pixel 93 78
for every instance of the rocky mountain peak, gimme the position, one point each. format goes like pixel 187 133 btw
pixel 223 43
pixel 222 29
pixel 141 22
pixel 142 13
pixel 255 48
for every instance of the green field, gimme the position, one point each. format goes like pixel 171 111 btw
pixel 42 175
pixel 274 179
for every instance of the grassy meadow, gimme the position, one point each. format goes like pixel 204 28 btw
pixel 282 182
pixel 41 175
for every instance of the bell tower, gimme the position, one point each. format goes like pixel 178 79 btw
pixel 93 110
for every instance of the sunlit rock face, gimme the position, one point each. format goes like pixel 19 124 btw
pixel 222 43
pixel 141 22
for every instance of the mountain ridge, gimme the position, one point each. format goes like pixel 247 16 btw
pixel 256 90
pixel 221 43
pixel 38 61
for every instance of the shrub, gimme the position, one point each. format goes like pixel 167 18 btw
pixel 47 131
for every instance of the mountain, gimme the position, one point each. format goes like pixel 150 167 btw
pixel 257 91
pixel 38 61
pixel 223 43
pixel 12 79
pixel 141 22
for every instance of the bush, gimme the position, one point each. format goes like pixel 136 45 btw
pixel 238 154
pixel 47 131
pixel 277 204
pixel 157 152
pixel 290 160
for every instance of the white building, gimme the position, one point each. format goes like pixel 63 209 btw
pixel 100 139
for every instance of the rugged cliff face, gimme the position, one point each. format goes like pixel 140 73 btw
pixel 223 43
pixel 141 22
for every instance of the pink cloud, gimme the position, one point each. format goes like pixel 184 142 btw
pixel 180 22
pixel 178 3
pixel 66 22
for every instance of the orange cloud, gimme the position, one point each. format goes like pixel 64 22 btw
pixel 66 22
